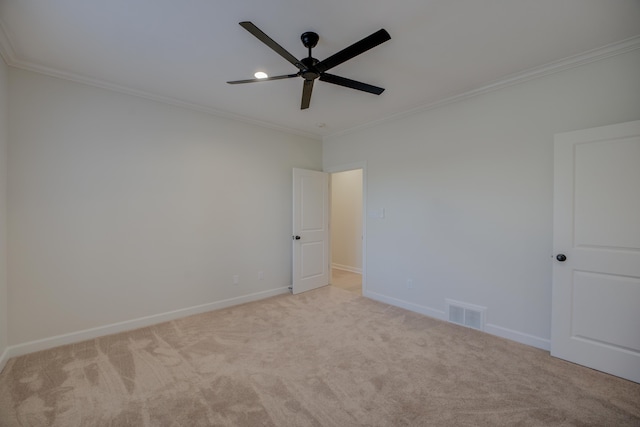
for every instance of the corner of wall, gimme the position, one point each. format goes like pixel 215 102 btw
pixel 4 136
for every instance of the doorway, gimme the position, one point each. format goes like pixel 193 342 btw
pixel 347 229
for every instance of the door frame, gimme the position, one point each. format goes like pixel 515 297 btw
pixel 345 168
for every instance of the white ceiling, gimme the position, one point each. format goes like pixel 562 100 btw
pixel 185 51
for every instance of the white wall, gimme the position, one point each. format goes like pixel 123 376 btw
pixel 120 207
pixel 467 191
pixel 346 220
pixel 4 133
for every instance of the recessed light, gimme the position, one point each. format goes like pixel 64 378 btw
pixel 260 75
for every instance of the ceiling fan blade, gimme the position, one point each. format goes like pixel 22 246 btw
pixel 286 76
pixel 353 84
pixel 249 26
pixel 307 88
pixel 355 49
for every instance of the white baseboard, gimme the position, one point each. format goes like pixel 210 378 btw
pixel 87 334
pixel 521 337
pixel 427 311
pixel 346 268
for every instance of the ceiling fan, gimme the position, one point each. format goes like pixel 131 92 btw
pixel 311 69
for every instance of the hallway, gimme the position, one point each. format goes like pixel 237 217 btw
pixel 347 280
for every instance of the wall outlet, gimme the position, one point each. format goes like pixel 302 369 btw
pixel 260 275
pixel 236 279
pixel 409 283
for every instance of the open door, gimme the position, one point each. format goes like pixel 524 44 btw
pixel 310 230
pixel 596 238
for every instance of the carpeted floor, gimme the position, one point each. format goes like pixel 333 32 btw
pixel 322 358
pixel 347 280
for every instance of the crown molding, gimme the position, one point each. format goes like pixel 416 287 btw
pixel 6 48
pixel 102 84
pixel 574 61
pixel 8 54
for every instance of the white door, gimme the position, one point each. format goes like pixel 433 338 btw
pixel 596 227
pixel 310 230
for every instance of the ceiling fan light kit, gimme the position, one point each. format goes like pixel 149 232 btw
pixel 311 69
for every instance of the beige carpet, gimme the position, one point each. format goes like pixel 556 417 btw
pixel 322 358
pixel 347 280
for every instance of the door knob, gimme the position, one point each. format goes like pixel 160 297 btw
pixel 296 237
pixel 561 257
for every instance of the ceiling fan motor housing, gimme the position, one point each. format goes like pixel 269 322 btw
pixel 309 73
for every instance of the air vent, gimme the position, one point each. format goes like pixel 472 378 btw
pixel 469 315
